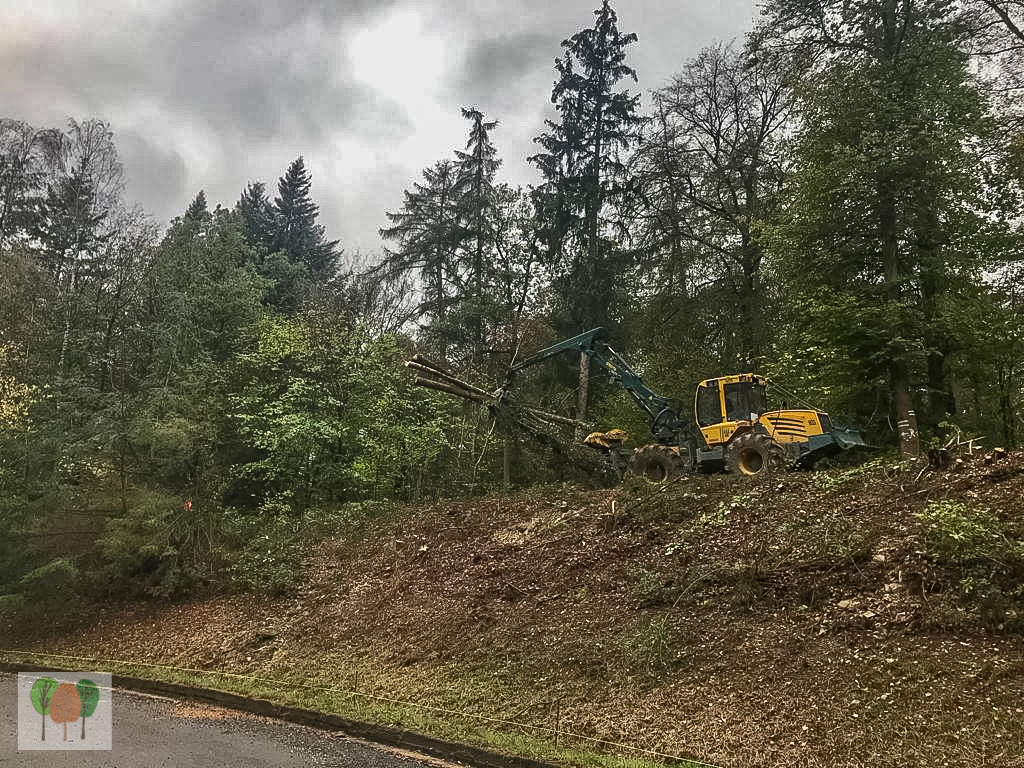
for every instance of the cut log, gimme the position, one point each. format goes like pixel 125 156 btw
pixel 550 428
pixel 450 389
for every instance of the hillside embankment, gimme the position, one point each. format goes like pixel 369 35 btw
pixel 849 617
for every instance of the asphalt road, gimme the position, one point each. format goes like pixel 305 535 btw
pixel 155 732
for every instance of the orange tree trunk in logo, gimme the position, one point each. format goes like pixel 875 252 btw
pixel 66 706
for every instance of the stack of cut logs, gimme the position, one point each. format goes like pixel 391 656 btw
pixel 507 412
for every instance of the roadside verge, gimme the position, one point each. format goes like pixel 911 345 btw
pixel 388 737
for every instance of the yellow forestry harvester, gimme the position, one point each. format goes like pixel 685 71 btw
pixel 736 431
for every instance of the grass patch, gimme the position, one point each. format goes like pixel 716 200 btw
pixel 649 647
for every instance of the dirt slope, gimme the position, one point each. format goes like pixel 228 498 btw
pixel 806 619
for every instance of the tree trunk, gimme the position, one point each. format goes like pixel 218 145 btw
pixel 1007 379
pixel 906 424
pixel 581 403
pixel 895 275
pixel 506 464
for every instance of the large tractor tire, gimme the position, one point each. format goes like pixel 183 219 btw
pixel 754 453
pixel 656 463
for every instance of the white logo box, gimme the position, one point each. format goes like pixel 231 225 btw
pixel 64 710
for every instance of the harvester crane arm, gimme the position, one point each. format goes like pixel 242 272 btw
pixel 665 422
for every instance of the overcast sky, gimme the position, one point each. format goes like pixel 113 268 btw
pixel 212 94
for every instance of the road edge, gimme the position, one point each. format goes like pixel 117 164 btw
pixel 387 737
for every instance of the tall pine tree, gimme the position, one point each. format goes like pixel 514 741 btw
pixel 475 192
pixel 585 176
pixel 287 244
pixel 198 210
pixel 257 219
pixel 298 235
pixel 427 234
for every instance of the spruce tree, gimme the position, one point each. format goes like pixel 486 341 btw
pixel 475 191
pixel 257 219
pixel 427 234
pixel 298 235
pixel 585 177
pixel 198 211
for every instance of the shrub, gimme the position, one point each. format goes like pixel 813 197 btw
pixel 648 586
pixel 956 533
pixel 650 648
pixel 266 548
pixel 51 588
pixel 159 547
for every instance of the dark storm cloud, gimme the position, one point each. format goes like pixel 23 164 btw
pixel 669 33
pixel 244 69
pixel 499 72
pixel 154 173
pixel 264 69
pixel 508 69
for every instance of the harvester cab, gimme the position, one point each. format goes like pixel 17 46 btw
pixel 727 404
pixel 741 435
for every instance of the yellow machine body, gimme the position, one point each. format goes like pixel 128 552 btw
pixel 729 405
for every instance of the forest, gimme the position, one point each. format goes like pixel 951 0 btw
pixel 833 202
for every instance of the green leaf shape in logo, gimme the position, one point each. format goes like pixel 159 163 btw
pixel 42 695
pixel 89 693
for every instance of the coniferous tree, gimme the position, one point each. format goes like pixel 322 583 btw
pixel 198 210
pixel 70 231
pixel 287 245
pixel 477 166
pixel 298 235
pixel 467 240
pixel 257 214
pixel 584 174
pixel 585 177
pixel 68 227
pixel 428 234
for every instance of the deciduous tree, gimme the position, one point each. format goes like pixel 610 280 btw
pixel 886 193
pixel 708 175
pixel 26 154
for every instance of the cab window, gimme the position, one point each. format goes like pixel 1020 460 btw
pixel 744 400
pixel 709 407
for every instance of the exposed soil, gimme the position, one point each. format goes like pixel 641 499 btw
pixel 796 620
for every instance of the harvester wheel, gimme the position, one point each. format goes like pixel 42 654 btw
pixel 656 463
pixel 754 453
